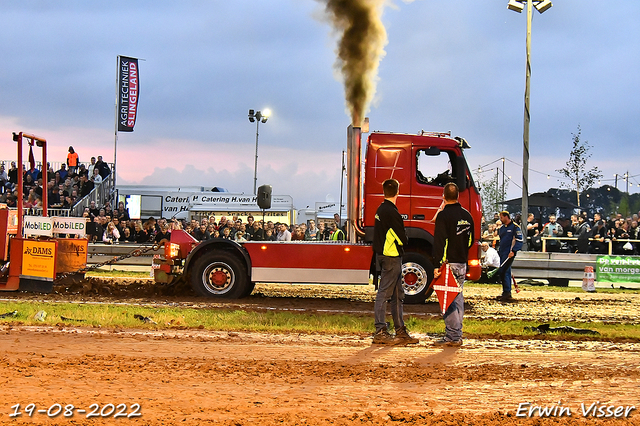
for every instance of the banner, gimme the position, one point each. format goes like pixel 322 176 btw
pixel 39 259
pixel 70 225
pixel 37 225
pixel 618 269
pixel 128 93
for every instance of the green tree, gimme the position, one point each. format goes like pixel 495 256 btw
pixel 491 193
pixel 576 170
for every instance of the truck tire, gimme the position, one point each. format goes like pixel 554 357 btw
pixel 219 274
pixel 417 274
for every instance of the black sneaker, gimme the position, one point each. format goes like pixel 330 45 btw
pixel 382 337
pixel 403 338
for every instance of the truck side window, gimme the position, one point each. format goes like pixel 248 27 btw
pixel 434 167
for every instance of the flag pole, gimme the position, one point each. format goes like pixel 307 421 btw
pixel 115 142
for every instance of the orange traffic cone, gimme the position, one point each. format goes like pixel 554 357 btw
pixel 588 282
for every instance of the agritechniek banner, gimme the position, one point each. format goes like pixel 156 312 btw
pixel 618 269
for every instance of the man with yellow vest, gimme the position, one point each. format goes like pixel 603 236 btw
pixel 389 240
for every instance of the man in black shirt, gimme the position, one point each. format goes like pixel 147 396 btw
pixel 452 240
pixel 389 240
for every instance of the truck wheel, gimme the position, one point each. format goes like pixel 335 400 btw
pixel 218 274
pixel 417 274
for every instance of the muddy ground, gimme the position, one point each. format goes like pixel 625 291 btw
pixel 209 377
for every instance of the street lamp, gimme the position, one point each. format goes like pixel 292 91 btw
pixel 258 117
pixel 518 6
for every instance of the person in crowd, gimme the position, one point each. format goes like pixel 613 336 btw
pixel 28 184
pixel 92 166
pixel 12 174
pixel 210 230
pixel 599 239
pixel 53 198
pixel 311 233
pixel 226 233
pixel 140 233
pixel 122 213
pixel 490 261
pixel 95 231
pixel 116 222
pixel 389 240
pixel 222 224
pixel 127 236
pixel 552 230
pixel 103 168
pixel 337 234
pixel 533 229
pixel 164 235
pixel 4 176
pixel 249 227
pixel 283 233
pixel 86 185
pixel 111 234
pixel 582 233
pixel 63 171
pixel 297 234
pixel 323 233
pixel 240 237
pixel 72 160
pixel 95 177
pixel 93 209
pixel 510 243
pixel 258 232
pixel 453 237
pixel 634 234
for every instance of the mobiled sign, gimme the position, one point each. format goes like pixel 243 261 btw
pixel 47 226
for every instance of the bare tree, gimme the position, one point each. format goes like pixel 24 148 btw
pixel 576 170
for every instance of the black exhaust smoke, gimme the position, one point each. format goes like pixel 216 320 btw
pixel 360 49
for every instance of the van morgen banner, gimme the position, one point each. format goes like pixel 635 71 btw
pixel 128 93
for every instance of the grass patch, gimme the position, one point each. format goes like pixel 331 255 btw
pixel 116 316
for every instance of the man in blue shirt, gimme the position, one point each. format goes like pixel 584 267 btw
pixel 510 243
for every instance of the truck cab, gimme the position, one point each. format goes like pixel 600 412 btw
pixel 422 164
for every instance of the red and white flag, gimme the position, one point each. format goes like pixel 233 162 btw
pixel 446 287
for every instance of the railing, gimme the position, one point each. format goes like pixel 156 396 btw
pixel 609 242
pixel 100 194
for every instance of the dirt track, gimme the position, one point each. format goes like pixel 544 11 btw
pixel 208 377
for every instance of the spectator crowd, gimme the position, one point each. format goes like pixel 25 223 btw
pixel 579 234
pixel 115 226
pixel 65 187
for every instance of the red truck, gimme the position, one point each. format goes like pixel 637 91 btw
pixel 422 163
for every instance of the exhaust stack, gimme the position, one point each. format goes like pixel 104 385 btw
pixel 354 149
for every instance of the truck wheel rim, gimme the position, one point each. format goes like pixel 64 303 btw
pixel 414 278
pixel 218 278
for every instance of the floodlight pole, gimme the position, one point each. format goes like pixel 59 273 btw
pixel 257 116
pixel 527 118
pixel 255 165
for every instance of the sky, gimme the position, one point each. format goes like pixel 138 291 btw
pixel 449 65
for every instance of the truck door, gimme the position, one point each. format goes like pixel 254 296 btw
pixel 389 161
pixel 434 168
